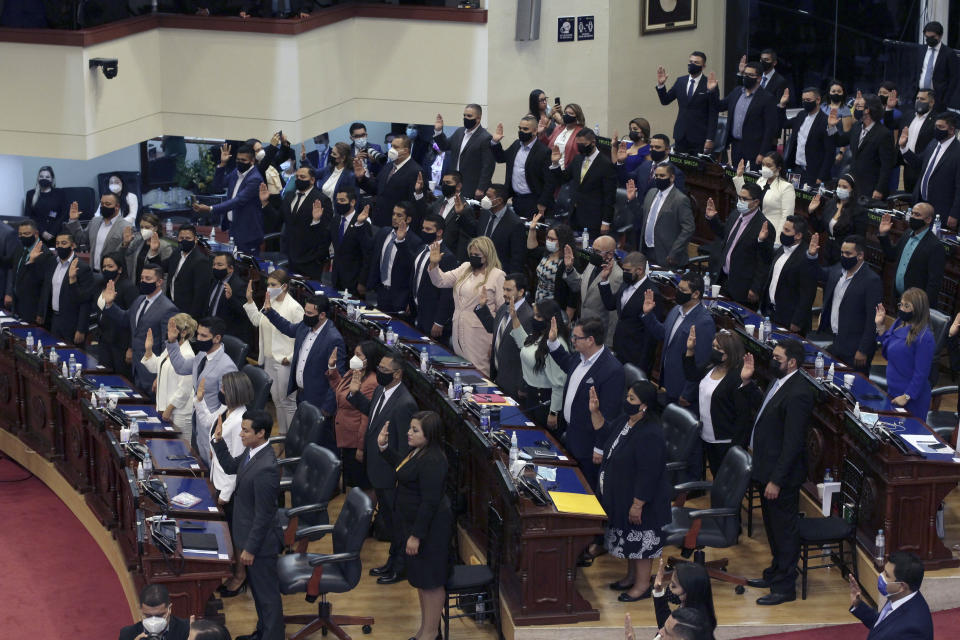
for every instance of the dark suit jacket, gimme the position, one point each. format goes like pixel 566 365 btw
pixel 178 629
pixel 696 116
pixel 819 150
pixel 397 297
pixel 593 198
pixel 943 186
pixel 671 370
pixel 346 179
pixel 535 169
pixel 28 282
pixel 42 214
pixel 155 318
pixel 74 301
pixel 642 177
pixel 10 249
pixel 509 238
pixel 349 258
pixel 780 431
pixel 873 159
pixel 231 309
pixel 390 191
pixel 632 341
pixel 911 175
pixel 398 410
pixel 316 388
pixel 191 285
pixel 909 621
pixel 729 410
pixel 247 225
pixel 748 263
pixel 946 75
pixel 925 270
pixel 476 161
pixel 307 243
pixel 672 229
pixel 853 220
pixel 759 134
pixel 430 304
pixel 776 85
pixel 796 290
pixel 255 527
pixel 857 331
pixel 504 351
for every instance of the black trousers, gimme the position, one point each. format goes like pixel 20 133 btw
pixel 715 453
pixel 264 582
pixel 385 500
pixel 780 520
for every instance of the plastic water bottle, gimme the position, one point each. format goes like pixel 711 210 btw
pixel 383 336
pixel 485 419
pixel 39 350
pixel 596 129
pixel 29 340
pixel 102 395
pixel 707 290
pixel 147 466
pixel 424 360
pixel 827 476
pixel 391 337
pixel 514 449
pixel 64 372
pixel 832 372
pixel 352 311
pixel 134 429
pixel 767 327
pixel 141 472
pixel 585 239
pixel 760 332
pixel 457 386
pixel 213 233
pixel 879 548
pixel 72 365
pixel 168 227
pixel 936 226
pixel 54 356
pixel 856 410
pixel 231 245
pixel 818 366
pixel 451 392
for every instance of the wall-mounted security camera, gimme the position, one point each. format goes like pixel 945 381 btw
pixel 107 65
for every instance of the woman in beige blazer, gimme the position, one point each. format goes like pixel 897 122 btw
pixel 477 281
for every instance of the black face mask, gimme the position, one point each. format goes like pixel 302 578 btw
pixel 629 277
pixel 383 379
pixel 858 114
pixel 766 64
pixel 538 325
pixel 940 134
pixel 311 321
pixel 476 262
pixel 932 41
pixel 777 369
pixel 630 409
pixel 836 98
pixel 342 208
pixel 569 119
pixel 694 69
pixel 204 346
pixel 716 356
pixel 243 167
pixel 848 263
pixel 682 297
pixel 673 598
pixel 905 316
pixel 469 123
pixel 921 107
pixel 44 183
pixel 635 137
pixel 448 190
pixel 187 245
pixel 27 241
pixel 220 274
pixel 662 183
pixel 64 252
pixel 809 105
pixel 585 149
pixel 748 82
pixel 428 238
pixel 107 212
pixel 147 288
pixel 302 185
pixel 657 156
pixel 916 223
pixel 524 136
pixel 786 240
pixel 109 274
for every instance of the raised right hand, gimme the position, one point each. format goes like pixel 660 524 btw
pixel 955 327
pixel 568 258
pixel 201 389
pixel 631 190
pixel 109 293
pixel 743 64
pixel 225 154
pixel 814 247
pixel 764 232
pixel 692 338
pixel 332 361
pixel 740 168
pixel 438 123
pixel 904 137
pixel 555 155
pixel 383 438
pixel 621 152
pixel 552 335
pixel 148 342
pixel 886 223
pixel 711 209
pixel 364 215
pixel 814 203
pixel 266 303
pixel 264 194
pixel 127 236
pixel 746 373
pixel 881 315
pixel 661 75
pixel 172 333
pixel 594 400
pixel 435 253
pixel 648 301
pixel 854 591
pixel 606 269
pixel 833 118
pixel 358 169
pixel 498 133
pixel 711 81
pixel 250 291
pixel 355 381
pixel 658 581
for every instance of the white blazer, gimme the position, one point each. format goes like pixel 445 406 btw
pixel 230 432
pixel 272 342
pixel 778 202
pixel 172 388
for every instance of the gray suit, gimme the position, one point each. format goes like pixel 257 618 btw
pixel 672 229
pixel 156 317
pixel 133 250
pixel 213 369
pixel 591 304
pixel 505 365
pixel 111 243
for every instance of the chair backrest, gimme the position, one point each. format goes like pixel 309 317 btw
pixel 131 180
pixel 237 350
pixel 261 385
pixel 680 430
pixel 456 489
pixel 494 542
pixel 304 429
pixel 720 136
pixel 622 216
pixel 85 197
pixel 939 325
pixel 633 374
pixel 314 482
pixel 728 490
pixel 350 531
pixel 851 485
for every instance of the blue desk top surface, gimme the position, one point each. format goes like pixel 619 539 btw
pixel 513 417
pixel 567 480
pixel 319 287
pixel 149 428
pixel 871 397
pixel 87 362
pixel 908 425
pixel 216 527
pixel 746 315
pixel 115 383
pixel 39 335
pixel 195 486
pixel 160 449
pixel 529 437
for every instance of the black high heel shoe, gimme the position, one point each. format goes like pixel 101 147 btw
pixel 227 593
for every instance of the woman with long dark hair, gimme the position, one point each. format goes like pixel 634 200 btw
pixel 541 392
pixel 839 218
pixel 129 205
pixel 909 347
pixel 422 512
pixel 548 259
pixel 689 587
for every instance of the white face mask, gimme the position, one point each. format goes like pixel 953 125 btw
pixel 766 173
pixel 393 154
pixel 486 204
pixel 115 188
pixel 356 364
pixel 273 292
pixel 286 165
pixel 361 143
pixel 261 155
pixel 842 193
pixel 551 246
pixel 146 234
pixel 154 624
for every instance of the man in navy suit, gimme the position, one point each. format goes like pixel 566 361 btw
pixel 642 176
pixel 938 169
pixel 315 337
pixel 810 149
pixel 696 114
pixel 390 260
pixel 306 224
pixel 432 307
pixel 67 292
pixel 526 179
pixel 940 69
pixel 752 118
pixel 350 231
pixel 905 613
pixel 592 178
pixel 741 263
pixel 632 343
pixel 590 366
pixel 395 183
pixel 468 150
pixel 241 210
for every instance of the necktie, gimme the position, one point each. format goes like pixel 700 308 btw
pixel 927 81
pixel 593 275
pixel 652 219
pixel 690 87
pixel 245 460
pixel 202 366
pixel 393 170
pixel 863 134
pixel 343 229
pixel 418 273
pixel 733 243
pixel 763 83
pixel 215 298
pixel 770 394
pixel 884 612
pixel 676 325
pixel 296 203
pixel 585 168
pixel 499 336
pixel 143 308
pixel 376 409
pixel 489 229
pixel 387 255
pixel 926 174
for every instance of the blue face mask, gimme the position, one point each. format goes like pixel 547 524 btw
pixel 882 587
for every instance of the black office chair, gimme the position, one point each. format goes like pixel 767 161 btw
pixel 472 586
pixel 939 326
pixel 304 429
pixel 274 250
pixel 944 423
pixel 826 536
pixel 317 574
pixel 311 489
pixel 622 214
pixel 237 350
pixel 634 374
pixel 85 197
pixel 131 180
pixel 261 385
pixel 719 526
pixel 680 430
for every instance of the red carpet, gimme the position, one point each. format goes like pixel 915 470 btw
pixel 55 582
pixel 945 625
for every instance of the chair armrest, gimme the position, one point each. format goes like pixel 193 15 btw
pixel 325 558
pixel 696 485
pixel 286 484
pixel 282 462
pixel 625 228
pixel 676 466
pixel 276 439
pixel 306 508
pixel 718 512
pixel 945 391
pixel 314 530
pixel 699 259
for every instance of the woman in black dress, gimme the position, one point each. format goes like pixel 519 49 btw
pixel 46 205
pixel 837 219
pixel 689 586
pixel 634 487
pixel 111 348
pixel 422 512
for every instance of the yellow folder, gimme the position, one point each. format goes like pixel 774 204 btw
pixel 577 503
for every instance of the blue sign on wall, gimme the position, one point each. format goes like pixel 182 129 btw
pixel 565 29
pixel 585 28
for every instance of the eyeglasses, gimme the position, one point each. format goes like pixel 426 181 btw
pixel 575 337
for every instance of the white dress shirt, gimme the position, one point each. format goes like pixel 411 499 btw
pixel 680 318
pixel 331 183
pixel 842 284
pixel 448 207
pixel 931 52
pixel 398 247
pixel 802 135
pixel 172 388
pixel 519 178
pixel 305 351
pixel 913 131
pixel 626 294
pixel 576 377
pixel 562 140
pixel 173 280
pixel 778 268
pixel 236 188
pixel 707 387
pixel 655 206
pixel 59 273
